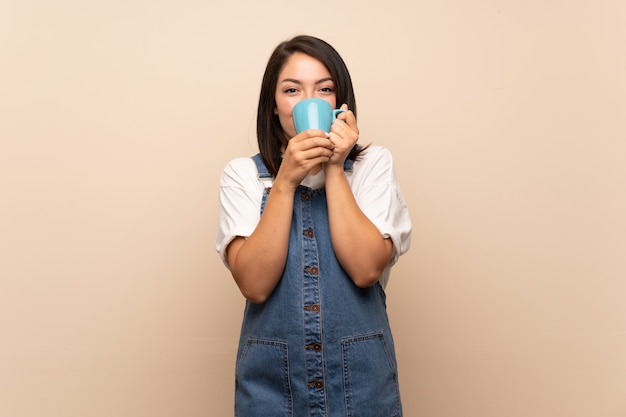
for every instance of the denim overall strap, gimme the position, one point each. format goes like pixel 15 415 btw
pixel 264 176
pixel 260 166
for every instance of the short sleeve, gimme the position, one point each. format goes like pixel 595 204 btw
pixel 240 198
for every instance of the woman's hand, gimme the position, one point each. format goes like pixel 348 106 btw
pixel 305 152
pixel 344 134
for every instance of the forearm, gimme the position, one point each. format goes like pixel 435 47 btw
pixel 360 248
pixel 257 263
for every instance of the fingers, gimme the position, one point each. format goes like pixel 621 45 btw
pixel 309 139
pixel 345 128
pixel 344 133
pixel 349 119
pixel 307 150
pixel 308 157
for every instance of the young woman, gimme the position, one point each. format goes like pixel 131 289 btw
pixel 312 257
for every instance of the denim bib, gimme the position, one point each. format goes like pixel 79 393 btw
pixel 320 345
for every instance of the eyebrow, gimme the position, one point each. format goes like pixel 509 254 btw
pixel 293 80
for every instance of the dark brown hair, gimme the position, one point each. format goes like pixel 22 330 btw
pixel 270 134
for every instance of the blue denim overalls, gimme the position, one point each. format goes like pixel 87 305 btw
pixel 319 346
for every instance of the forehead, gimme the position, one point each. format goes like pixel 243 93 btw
pixel 301 66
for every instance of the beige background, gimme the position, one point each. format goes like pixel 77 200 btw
pixel 507 122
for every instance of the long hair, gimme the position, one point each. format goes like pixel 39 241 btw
pixel 270 134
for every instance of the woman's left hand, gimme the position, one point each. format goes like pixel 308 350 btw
pixel 344 133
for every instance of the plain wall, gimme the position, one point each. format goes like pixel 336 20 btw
pixel 507 123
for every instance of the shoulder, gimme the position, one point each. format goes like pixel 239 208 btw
pixel 375 154
pixel 375 158
pixel 239 171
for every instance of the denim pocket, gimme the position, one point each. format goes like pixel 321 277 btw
pixel 370 377
pixel 262 380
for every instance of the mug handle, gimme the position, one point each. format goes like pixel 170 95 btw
pixel 336 112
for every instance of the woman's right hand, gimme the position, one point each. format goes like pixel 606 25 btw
pixel 305 152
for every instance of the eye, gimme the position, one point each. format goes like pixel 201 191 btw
pixel 327 90
pixel 291 90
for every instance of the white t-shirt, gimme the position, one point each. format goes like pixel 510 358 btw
pixel 373 182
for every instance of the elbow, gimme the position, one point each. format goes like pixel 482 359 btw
pixel 366 280
pixel 367 272
pixel 255 290
pixel 255 297
pixel 367 275
pixel 252 290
